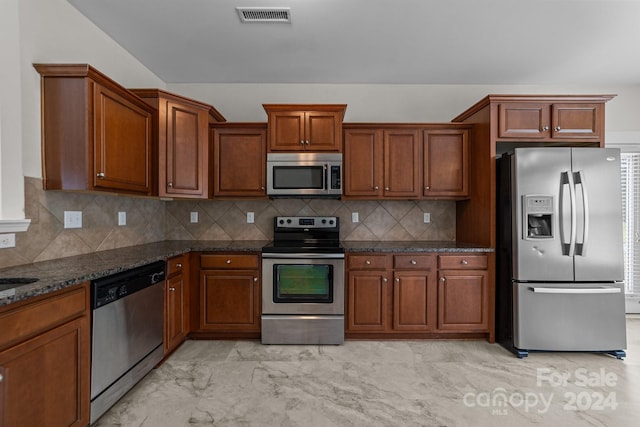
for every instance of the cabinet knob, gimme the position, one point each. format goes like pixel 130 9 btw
pixel 170 184
pixel 262 188
pixel 228 261
pixel 464 262
pixel 397 280
pixel 386 188
pixel 384 279
pixel 376 187
pixel 367 262
pixel 172 289
pixel 557 128
pixel 179 265
pixel 307 142
pixel 545 128
pixel 427 187
pixel 1 378
pixel 255 279
pixel 442 279
pixel 100 174
pixel 301 142
pixel 414 262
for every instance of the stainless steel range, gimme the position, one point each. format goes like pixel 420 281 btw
pixel 303 282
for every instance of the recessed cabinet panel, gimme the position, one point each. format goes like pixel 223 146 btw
pixel 445 163
pixel 576 120
pixel 524 120
pixel 363 159
pixel 367 306
pixel 186 135
pixel 402 163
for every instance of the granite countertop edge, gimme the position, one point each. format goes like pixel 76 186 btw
pixel 61 273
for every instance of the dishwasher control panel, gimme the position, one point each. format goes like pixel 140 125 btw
pixel 112 288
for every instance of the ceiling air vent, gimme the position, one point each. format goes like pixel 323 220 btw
pixel 265 14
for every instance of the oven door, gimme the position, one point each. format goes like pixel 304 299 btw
pixel 303 284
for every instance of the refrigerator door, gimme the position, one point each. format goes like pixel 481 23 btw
pixel 543 214
pixel 598 252
pixel 569 316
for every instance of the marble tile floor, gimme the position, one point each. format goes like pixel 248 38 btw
pixel 383 383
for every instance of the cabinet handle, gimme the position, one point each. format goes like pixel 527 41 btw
pixel 179 265
pixel 228 261
pixel 100 174
pixel 413 262
pixel 557 128
pixel 170 184
pixel 367 262
pixel 255 279
pixel 545 128
pixel 172 289
pixel 464 262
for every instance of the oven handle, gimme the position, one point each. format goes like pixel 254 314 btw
pixel 303 255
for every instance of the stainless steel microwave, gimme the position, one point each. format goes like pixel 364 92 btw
pixel 304 174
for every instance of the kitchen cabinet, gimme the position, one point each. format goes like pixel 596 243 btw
pixel 229 293
pixel 96 135
pixel 445 163
pixel 367 293
pixel 176 303
pixel 382 163
pixel 463 293
pixel 45 360
pixel 305 127
pixel 550 120
pixel 414 292
pixel 182 138
pixel 239 160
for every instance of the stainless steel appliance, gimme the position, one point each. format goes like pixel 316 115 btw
pixel 303 282
pixel 560 268
pixel 304 174
pixel 127 332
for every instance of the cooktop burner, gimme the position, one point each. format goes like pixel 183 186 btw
pixel 311 234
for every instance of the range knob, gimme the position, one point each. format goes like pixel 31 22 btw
pixel 281 221
pixel 289 221
pixel 331 221
pixel 324 221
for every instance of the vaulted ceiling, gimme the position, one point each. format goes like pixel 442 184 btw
pixel 380 41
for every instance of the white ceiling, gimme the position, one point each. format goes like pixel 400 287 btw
pixel 380 41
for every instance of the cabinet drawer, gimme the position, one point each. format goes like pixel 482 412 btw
pixel 367 262
pixel 414 261
pixel 228 261
pixel 29 320
pixel 462 262
pixel 176 265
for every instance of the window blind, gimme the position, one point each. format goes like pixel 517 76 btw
pixel 630 181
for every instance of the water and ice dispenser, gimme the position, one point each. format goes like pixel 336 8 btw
pixel 538 216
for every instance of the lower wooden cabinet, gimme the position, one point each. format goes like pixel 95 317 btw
pixel 176 318
pixel 44 361
pixel 413 296
pixel 229 293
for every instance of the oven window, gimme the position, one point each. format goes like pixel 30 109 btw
pixel 303 283
pixel 298 177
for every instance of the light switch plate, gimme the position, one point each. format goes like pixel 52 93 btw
pixel 72 219
pixel 355 217
pixel 122 218
pixel 427 218
pixel 250 218
pixel 8 240
pixel 194 217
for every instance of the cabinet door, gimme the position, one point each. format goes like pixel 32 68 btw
pixel 524 120
pixel 363 162
pixel 45 380
pixel 230 300
pixel 122 144
pixel 367 308
pixel 323 131
pixel 184 151
pixel 239 162
pixel 286 131
pixel 445 163
pixel 577 121
pixel 402 163
pixel 175 316
pixel 414 301
pixel 462 300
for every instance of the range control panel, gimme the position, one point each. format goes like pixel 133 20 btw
pixel 306 221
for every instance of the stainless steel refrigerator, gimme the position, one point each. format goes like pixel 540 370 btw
pixel 559 251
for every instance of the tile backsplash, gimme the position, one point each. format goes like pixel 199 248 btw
pixel 151 220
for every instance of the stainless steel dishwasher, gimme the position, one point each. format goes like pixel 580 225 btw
pixel 127 332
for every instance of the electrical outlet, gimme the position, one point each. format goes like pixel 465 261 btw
pixel 427 218
pixel 355 217
pixel 194 217
pixel 122 218
pixel 250 218
pixel 72 219
pixel 7 240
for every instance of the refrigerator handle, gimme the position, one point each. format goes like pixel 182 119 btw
pixel 581 248
pixel 567 180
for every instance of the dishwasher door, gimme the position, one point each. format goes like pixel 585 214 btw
pixel 124 332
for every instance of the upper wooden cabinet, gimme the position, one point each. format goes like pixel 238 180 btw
pixel 182 132
pixel 530 118
pixel 239 159
pixel 305 127
pixel 445 163
pixel 386 161
pixel 96 135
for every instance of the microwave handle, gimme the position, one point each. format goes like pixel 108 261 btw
pixel 326 177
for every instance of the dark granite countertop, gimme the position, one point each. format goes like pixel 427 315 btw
pixel 63 272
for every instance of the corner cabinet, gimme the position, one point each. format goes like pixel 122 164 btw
pixel 96 135
pixel 239 160
pixel 230 294
pixel 176 303
pixel 316 127
pixel 182 135
pixel 45 360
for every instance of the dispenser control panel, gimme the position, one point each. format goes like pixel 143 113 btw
pixel 538 216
